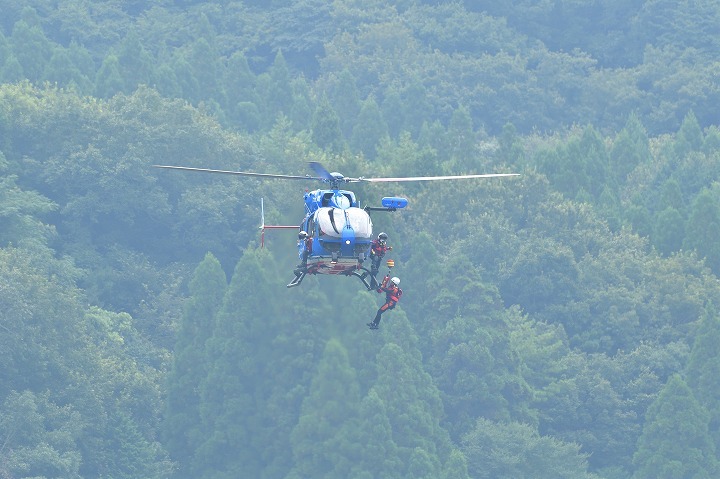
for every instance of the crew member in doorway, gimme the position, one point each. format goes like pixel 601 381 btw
pixel 377 251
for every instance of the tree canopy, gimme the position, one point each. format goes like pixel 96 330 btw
pixel 559 324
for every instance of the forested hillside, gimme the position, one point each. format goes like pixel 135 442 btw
pixel 562 324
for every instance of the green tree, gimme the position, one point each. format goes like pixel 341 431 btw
pixel 39 437
pixel 689 137
pixel 232 400
pixel 640 219
pixel 511 150
pixel 370 128
pixel 414 408
pixel 61 70
pixel 182 423
pixel 417 107
pixel 134 456
pixel 393 111
pixel 581 406
pixel 206 70
pixel 325 127
pixel 166 81
pixel 675 441
pixel 276 89
pixel 630 148
pixel 669 231
pixel 462 142
pixel 302 105
pixel 260 361
pixel 671 195
pixel 185 75
pixel 292 360
pixel 472 357
pixel 321 441
pixel 108 80
pixel 703 229
pixel 703 369
pixel 514 450
pixel 379 453
pixel 11 70
pixel 21 212
pixel 345 99
pixel 239 81
pixel 31 48
pixel 543 272
pixel 135 63
pixel 456 466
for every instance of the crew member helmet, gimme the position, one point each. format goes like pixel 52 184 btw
pixel 302 235
pixel 383 236
pixel 395 281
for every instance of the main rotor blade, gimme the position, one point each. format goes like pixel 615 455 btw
pixel 241 173
pixel 320 170
pixel 433 178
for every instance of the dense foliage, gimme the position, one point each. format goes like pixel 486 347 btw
pixel 563 324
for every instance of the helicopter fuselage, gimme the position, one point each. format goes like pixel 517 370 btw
pixel 340 232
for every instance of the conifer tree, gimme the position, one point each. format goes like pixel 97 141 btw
pixel 11 71
pixel 432 135
pixel 291 361
pixel 689 137
pixel 206 70
pixel 302 106
pixel 629 149
pixel 61 71
pixel 675 441
pixel 345 100
pixel 703 369
pixel 31 48
pixel 232 408
pixel 595 160
pixel 326 132
pixel 185 76
pixel 242 97
pixel 183 427
pixel 369 129
pixel 166 82
pixel 703 229
pixel 135 63
pixel 322 443
pixel 108 80
pixel 669 231
pixel 379 452
pixel 393 111
pixel 412 401
pixel 511 150
pixel 671 195
pixel 277 91
pixel 462 142
pixel 416 106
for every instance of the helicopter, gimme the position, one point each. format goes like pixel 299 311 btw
pixel 336 234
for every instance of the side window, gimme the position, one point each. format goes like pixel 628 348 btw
pixel 311 226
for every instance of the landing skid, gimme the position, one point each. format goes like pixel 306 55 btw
pixel 299 276
pixel 373 284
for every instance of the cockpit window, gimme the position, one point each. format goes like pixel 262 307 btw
pixel 341 200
